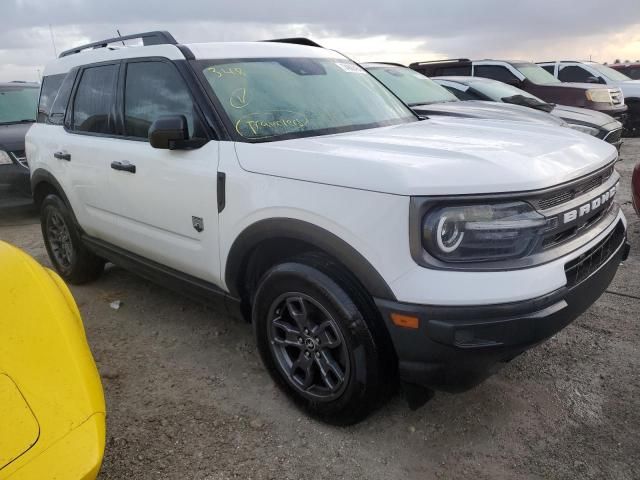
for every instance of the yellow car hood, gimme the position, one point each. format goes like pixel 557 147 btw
pixel 52 411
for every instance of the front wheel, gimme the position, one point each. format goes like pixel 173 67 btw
pixel 316 344
pixel 71 259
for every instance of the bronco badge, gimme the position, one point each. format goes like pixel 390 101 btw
pixel 198 223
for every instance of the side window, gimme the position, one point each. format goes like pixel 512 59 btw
pixel 495 72
pixel 549 68
pixel 152 90
pixel 59 108
pixel 573 73
pixel 50 86
pixel 95 100
pixel 459 71
pixel 633 72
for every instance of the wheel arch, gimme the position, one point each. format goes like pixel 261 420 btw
pixel 298 235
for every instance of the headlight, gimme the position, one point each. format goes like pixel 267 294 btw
pixel 5 159
pixel 481 233
pixel 584 129
pixel 599 95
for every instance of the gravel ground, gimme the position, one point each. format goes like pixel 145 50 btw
pixel 187 397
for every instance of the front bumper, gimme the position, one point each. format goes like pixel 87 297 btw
pixel 455 348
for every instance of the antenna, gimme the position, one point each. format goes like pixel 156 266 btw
pixel 120 35
pixel 53 42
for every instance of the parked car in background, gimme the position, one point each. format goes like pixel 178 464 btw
pixel 52 410
pixel 594 123
pixel 533 79
pixel 631 70
pixel 635 188
pixel 18 106
pixel 427 98
pixel 367 247
pixel 593 72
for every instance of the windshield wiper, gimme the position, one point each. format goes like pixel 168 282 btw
pixel 529 102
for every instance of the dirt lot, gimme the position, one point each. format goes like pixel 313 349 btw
pixel 187 397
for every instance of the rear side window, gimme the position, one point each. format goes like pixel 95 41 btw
pixel 59 108
pixel 94 102
pixel 460 71
pixel 495 72
pixel 50 86
pixel 153 90
pixel 573 73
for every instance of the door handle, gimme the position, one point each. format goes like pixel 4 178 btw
pixel 124 166
pixel 63 156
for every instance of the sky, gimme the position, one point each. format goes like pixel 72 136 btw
pixel 400 31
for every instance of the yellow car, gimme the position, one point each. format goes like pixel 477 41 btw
pixel 52 411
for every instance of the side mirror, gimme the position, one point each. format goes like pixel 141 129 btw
pixel 514 82
pixel 170 132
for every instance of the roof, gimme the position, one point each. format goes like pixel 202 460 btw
pixel 216 50
pixel 465 79
pixel 382 64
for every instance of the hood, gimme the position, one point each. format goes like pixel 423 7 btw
pixel 630 88
pixel 12 136
pixel 439 156
pixel 487 110
pixel 584 116
pixel 581 86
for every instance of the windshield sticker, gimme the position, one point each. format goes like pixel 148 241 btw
pixel 229 71
pixel 350 68
pixel 269 124
pixel 239 98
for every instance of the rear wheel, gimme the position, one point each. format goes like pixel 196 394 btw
pixel 316 343
pixel 71 259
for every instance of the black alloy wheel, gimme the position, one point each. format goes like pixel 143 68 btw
pixel 308 346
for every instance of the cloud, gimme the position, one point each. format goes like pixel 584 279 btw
pixel 403 30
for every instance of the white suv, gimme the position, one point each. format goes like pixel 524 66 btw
pixel 593 72
pixel 365 245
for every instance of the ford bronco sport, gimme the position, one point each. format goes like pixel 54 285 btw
pixel 366 246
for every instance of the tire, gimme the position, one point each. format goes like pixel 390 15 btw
pixel 71 259
pixel 334 371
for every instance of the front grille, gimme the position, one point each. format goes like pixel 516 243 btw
pixel 20 157
pixel 582 267
pixel 563 196
pixel 614 136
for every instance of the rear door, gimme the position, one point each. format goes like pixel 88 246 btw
pixel 167 208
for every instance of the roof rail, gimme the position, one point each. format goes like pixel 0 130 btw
pixel 148 38
pixel 446 60
pixel 297 41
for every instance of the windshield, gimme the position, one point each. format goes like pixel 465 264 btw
pixel 609 72
pixel 496 91
pixel 412 87
pixel 535 73
pixel 277 98
pixel 18 103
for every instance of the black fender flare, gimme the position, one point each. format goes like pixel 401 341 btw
pixel 289 228
pixel 40 176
